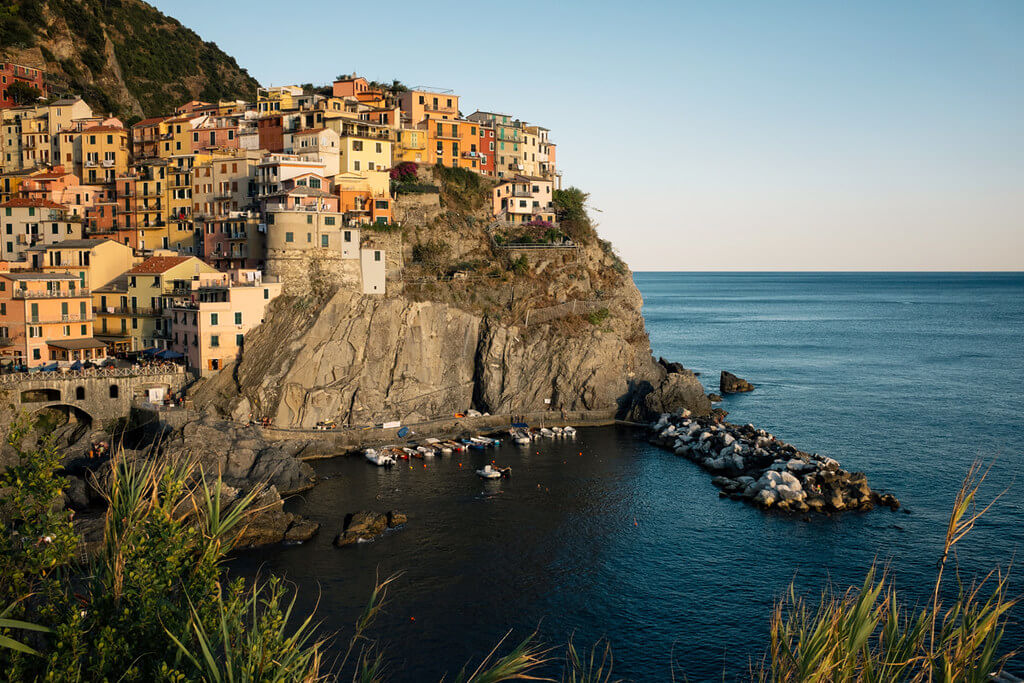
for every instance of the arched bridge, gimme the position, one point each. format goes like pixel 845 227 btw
pixel 100 394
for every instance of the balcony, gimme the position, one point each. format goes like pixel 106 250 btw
pixel 108 163
pixel 90 163
pixel 50 293
pixel 56 320
pixel 6 341
pixel 470 155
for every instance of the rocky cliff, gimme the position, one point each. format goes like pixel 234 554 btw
pixel 124 57
pixel 523 331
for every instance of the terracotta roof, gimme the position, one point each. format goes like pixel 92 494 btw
pixel 38 203
pixel 76 344
pixel 310 131
pixel 158 264
pixel 150 122
pixel 104 129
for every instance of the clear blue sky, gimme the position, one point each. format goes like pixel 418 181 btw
pixel 873 135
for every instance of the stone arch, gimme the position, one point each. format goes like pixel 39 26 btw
pixel 40 395
pixel 114 391
pixel 79 393
pixel 69 423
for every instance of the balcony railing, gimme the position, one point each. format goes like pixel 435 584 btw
pixel 56 320
pixel 128 310
pixel 50 294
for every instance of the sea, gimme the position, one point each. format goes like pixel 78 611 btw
pixel 605 540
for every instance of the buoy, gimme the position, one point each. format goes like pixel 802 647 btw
pixel 635 522
pixel 412 618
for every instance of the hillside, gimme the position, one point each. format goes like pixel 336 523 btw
pixel 124 57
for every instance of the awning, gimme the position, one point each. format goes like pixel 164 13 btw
pixel 52 367
pixel 76 344
pixel 77 365
pixel 152 351
pixel 168 354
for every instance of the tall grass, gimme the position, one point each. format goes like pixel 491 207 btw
pixel 869 634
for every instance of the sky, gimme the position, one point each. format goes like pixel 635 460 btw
pixel 784 135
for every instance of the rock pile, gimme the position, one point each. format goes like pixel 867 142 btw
pixel 751 464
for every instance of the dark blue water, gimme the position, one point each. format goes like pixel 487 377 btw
pixel 908 378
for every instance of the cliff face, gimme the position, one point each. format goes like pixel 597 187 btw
pixel 520 330
pixel 124 57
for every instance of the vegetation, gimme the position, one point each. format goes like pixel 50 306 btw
pixel 23 93
pixel 432 254
pixel 870 635
pixel 462 187
pixel 571 212
pixel 598 317
pixel 520 266
pixel 162 62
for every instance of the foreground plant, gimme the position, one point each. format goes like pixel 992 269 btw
pixel 869 634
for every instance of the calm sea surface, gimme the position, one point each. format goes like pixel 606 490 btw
pixel 906 377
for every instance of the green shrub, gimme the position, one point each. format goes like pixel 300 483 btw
pixel 598 317
pixel 520 266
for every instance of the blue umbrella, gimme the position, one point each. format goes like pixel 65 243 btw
pixel 50 368
pixel 168 354
pixel 150 351
pixel 77 365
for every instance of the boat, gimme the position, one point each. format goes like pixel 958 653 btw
pixel 381 459
pixel 454 445
pixel 520 436
pixel 557 431
pixel 544 431
pixel 488 472
pixel 413 453
pixel 569 431
pixel 439 446
pixel 427 451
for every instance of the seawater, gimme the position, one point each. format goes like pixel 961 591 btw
pixel 907 377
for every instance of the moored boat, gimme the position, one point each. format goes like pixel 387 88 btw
pixel 569 431
pixel 488 472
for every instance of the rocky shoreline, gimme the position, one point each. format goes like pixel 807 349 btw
pixel 752 465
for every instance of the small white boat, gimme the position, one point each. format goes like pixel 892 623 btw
pixel 482 440
pixel 489 472
pixel 438 445
pixel 427 451
pixel 569 431
pixel 557 431
pixel 452 445
pixel 411 453
pixel 379 459
pixel 544 431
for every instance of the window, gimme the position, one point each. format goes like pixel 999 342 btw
pixel 325 241
pixel 379 148
pixel 214 340
pixel 348 236
pixel 113 391
pixel 289 237
pixel 266 293
pixel 376 256
pixel 357 145
pixel 309 220
pixel 355 165
pixel 238 317
pixel 79 393
pixel 239 338
pixel 214 319
pixel 36 355
pixel 328 220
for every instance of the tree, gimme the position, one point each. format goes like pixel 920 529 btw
pixel 23 93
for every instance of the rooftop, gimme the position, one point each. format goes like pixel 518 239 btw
pixel 76 344
pixel 158 264
pixel 21 202
pixel 34 276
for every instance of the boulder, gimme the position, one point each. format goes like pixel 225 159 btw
pixel 367 525
pixel 731 384
pixel 301 531
pixel 714 398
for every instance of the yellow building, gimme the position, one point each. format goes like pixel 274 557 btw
pixel 363 146
pixel 104 154
pixel 281 98
pixel 411 145
pixel 148 283
pixel 94 262
pixel 177 139
pixel 180 229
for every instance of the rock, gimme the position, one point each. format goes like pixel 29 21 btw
pixel 714 398
pixel 301 531
pixel 266 522
pixel 678 391
pixel 395 518
pixel 765 497
pixel 731 384
pixel 363 526
pixel 77 494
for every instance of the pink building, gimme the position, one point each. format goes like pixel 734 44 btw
pixel 209 330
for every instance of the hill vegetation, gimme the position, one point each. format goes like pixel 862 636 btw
pixel 124 57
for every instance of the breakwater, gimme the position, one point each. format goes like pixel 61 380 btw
pixel 752 465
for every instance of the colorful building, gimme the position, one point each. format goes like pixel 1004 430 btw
pixel 422 103
pixel 149 283
pixel 209 327
pixel 28 222
pixel 523 199
pixel 46 318
pixel 11 73
pixel 104 154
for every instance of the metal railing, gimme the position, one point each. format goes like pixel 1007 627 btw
pixel 67 374
pixel 50 294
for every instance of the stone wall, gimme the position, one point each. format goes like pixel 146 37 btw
pixel 416 208
pixel 101 397
pixel 301 271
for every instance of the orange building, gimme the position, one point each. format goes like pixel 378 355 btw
pixel 424 103
pixel 46 318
